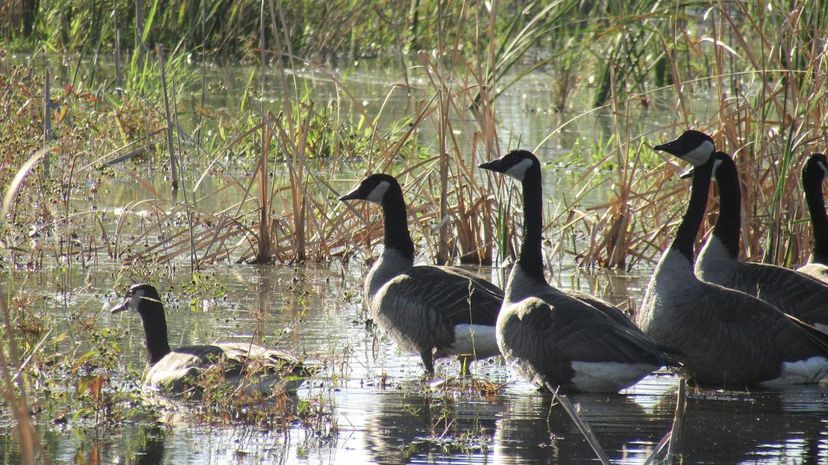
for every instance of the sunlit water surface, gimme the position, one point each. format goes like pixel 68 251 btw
pixel 385 411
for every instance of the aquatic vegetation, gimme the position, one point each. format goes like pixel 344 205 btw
pixel 261 155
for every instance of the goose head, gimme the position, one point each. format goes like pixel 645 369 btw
pixel 515 164
pixel 144 299
pixel 694 147
pixel 815 170
pixel 141 298
pixel 373 188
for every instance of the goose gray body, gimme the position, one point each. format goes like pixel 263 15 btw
pixel 795 293
pixel 792 292
pixel 813 173
pixel 554 338
pixel 238 361
pixel 728 338
pixel 433 311
pixel 442 311
pixel 177 370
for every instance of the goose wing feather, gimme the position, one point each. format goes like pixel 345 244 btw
pixel 451 297
pixel 605 307
pixel 558 327
pixel 189 361
pixel 421 306
pixel 731 336
pixel 795 293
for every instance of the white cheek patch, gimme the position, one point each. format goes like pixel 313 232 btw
pixel 700 154
pixel 518 171
pixel 824 168
pixel 378 193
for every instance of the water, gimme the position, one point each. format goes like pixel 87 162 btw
pixel 384 410
pixel 376 406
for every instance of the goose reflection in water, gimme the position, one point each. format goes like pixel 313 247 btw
pixel 760 426
pixel 405 427
pixel 532 430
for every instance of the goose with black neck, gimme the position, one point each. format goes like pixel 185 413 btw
pixel 729 338
pixel 177 371
pixel 794 293
pixel 558 340
pixel 433 311
pixel 813 173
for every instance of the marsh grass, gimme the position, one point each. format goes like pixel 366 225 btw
pixel 768 115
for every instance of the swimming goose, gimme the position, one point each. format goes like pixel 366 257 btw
pixel 177 370
pixel 554 338
pixel 728 337
pixel 433 311
pixel 794 293
pixel 813 173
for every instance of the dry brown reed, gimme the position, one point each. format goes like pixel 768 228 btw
pixel 14 395
pixel 769 114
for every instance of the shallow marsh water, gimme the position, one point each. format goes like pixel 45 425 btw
pixel 381 408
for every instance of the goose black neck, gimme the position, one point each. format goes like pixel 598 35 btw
pixel 155 330
pixel 395 220
pixel 686 235
pixel 531 256
pixel 819 220
pixel 729 222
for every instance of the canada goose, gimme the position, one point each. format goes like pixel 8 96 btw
pixel 813 173
pixel 794 293
pixel 556 339
pixel 434 311
pixel 176 371
pixel 727 336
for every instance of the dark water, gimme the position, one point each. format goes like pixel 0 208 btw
pixel 381 408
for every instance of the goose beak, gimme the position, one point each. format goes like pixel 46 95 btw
pixel 353 195
pixel 494 165
pixel 121 307
pixel 664 147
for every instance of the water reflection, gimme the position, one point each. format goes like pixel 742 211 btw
pixel 531 430
pixel 152 451
pixel 417 428
pixel 307 310
pixel 759 427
